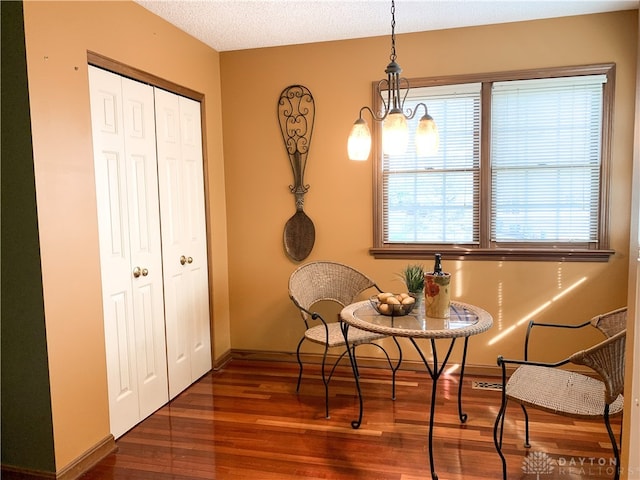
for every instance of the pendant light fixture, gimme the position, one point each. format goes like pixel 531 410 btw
pixel 395 133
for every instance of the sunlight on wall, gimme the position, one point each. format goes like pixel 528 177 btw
pixel 500 297
pixel 459 281
pixel 532 314
pixel 559 276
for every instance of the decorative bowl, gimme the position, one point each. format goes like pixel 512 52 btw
pixel 393 304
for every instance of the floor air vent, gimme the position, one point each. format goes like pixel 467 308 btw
pixel 486 386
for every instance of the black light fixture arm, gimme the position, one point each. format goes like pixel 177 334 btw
pixel 394 102
pixel 373 115
pixel 412 113
pixel 392 85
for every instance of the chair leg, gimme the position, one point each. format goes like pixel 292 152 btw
pixel 612 437
pixel 526 427
pixel 299 363
pixel 499 425
pixel 502 424
pixel 325 380
pixel 498 428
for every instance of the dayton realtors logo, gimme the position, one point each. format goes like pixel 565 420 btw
pixel 540 464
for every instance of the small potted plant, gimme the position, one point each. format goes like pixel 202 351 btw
pixel 413 278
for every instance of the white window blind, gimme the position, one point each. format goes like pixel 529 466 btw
pixel 434 199
pixel 545 159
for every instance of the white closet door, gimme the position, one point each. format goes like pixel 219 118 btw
pixel 183 238
pixel 113 221
pixel 145 245
pixel 196 238
pixel 128 222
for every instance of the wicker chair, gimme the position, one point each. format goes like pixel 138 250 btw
pixel 320 281
pixel 545 386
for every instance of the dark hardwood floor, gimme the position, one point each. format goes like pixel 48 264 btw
pixel 247 422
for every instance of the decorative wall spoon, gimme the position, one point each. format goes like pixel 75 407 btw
pixel 296 113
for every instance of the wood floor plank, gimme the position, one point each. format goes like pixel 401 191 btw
pixel 246 421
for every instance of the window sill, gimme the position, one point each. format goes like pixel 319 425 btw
pixel 495 254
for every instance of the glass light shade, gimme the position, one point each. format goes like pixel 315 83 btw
pixel 395 134
pixel 427 138
pixel 359 143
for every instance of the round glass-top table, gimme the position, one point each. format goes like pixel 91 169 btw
pixel 464 321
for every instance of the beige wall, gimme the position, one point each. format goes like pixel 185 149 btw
pixel 58 36
pixel 339 75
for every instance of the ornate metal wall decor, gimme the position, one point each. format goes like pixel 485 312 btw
pixel 296 113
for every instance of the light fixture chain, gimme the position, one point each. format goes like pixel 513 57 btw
pixel 393 31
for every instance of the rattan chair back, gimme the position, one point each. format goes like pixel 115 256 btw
pixel 612 322
pixel 322 280
pixel 607 359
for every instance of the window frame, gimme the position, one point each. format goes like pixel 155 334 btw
pixel 486 249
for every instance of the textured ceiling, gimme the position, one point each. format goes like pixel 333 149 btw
pixel 241 24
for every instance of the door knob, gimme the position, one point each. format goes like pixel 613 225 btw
pixel 145 272
pixel 189 260
pixel 137 272
pixel 183 259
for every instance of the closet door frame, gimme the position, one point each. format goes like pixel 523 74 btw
pixel 114 66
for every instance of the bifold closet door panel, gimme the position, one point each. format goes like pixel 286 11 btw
pixel 196 239
pixel 145 245
pixel 128 222
pixel 115 258
pixel 181 187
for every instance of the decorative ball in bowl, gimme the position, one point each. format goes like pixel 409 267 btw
pixel 393 304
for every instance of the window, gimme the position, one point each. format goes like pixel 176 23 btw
pixel 521 171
